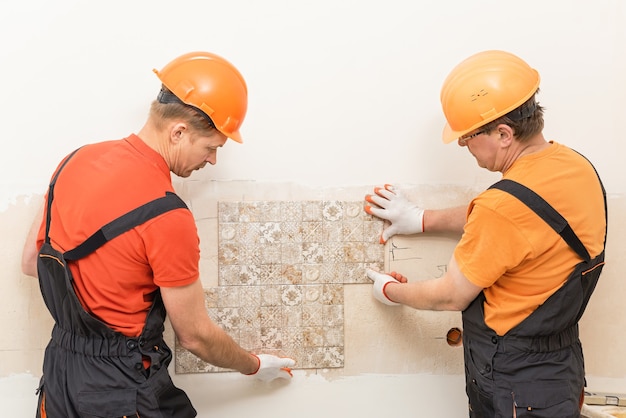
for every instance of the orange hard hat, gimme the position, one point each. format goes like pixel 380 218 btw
pixel 482 88
pixel 211 84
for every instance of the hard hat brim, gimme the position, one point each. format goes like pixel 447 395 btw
pixel 235 136
pixel 448 135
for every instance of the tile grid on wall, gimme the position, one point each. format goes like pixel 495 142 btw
pixel 282 268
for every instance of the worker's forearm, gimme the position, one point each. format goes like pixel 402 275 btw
pixel 450 292
pixel 423 295
pixel 445 220
pixel 215 346
pixel 30 250
pixel 29 262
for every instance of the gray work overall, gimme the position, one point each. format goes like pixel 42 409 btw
pixel 89 370
pixel 537 368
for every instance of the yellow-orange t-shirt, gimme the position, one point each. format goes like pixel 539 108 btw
pixel 513 254
pixel 116 283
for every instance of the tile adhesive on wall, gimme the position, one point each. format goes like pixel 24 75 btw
pixel 282 270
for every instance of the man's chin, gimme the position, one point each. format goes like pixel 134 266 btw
pixel 188 173
pixel 183 175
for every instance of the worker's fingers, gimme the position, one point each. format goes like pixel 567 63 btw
pixel 286 363
pixel 386 192
pixel 374 275
pixel 377 200
pixel 381 196
pixel 399 277
pixel 375 211
pixel 374 199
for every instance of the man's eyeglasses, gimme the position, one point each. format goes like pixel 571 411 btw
pixel 463 140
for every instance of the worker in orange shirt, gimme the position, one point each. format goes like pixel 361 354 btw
pixel 115 250
pixel 531 249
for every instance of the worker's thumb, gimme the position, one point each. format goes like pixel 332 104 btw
pixel 387 233
pixel 380 281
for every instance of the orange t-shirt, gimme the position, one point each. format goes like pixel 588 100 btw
pixel 513 254
pixel 116 283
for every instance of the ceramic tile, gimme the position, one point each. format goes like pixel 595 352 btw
pixel 250 336
pixel 291 253
pixel 290 273
pixel 311 211
pixel 271 296
pixel 292 317
pixel 228 318
pixel 312 252
pixel 228 296
pixel 293 336
pixel 332 211
pixel 249 319
pixel 250 296
pixel 312 315
pixel 271 336
pixel 282 268
pixel 313 336
pixel 210 298
pixel 227 212
pixel 311 231
pixel 291 211
pixel 291 295
pixel 312 294
pixel 273 273
pixel 333 336
pixel 332 294
pixel 311 273
pixel 333 316
pixel 291 232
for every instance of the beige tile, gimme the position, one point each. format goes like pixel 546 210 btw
pixel 207 232
pixel 209 275
pixel 202 198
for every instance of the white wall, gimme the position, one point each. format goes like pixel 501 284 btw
pixel 342 93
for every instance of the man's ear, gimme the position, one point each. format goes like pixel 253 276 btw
pixel 506 135
pixel 177 132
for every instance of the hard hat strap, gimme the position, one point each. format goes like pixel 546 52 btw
pixel 165 96
pixel 522 112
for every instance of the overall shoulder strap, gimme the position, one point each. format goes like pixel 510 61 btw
pixel 125 223
pixel 546 212
pixel 606 206
pixel 51 195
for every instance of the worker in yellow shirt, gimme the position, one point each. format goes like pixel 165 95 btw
pixel 531 249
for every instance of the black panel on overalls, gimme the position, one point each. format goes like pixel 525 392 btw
pixel 537 368
pixel 89 369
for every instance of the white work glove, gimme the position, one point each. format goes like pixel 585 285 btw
pixel 380 281
pixel 272 367
pixel 406 218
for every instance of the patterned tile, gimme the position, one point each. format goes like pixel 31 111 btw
pixel 282 267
